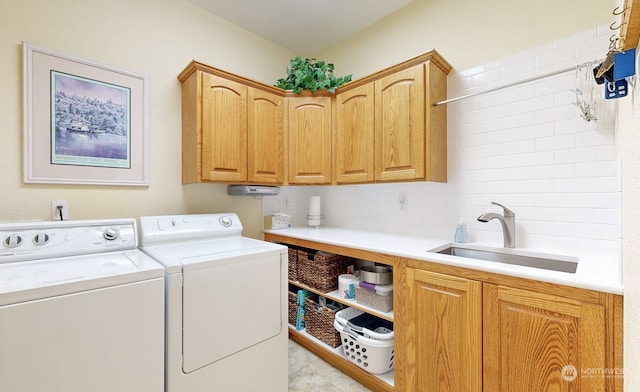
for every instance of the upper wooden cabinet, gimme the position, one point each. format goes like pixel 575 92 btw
pixel 232 128
pixel 224 129
pixel 380 128
pixel 399 127
pixel 309 126
pixel 354 135
pixel 387 128
pixel 266 137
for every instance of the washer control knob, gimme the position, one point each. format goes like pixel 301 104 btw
pixel 13 241
pixel 225 221
pixel 41 239
pixel 111 234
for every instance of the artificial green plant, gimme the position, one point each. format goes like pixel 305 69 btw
pixel 311 74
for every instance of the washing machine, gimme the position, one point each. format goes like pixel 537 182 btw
pixel 226 315
pixel 81 308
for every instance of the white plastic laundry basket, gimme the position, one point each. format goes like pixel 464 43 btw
pixel 367 341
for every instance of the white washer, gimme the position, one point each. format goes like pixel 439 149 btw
pixel 81 309
pixel 226 304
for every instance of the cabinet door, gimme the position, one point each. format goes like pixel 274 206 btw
pixel 443 322
pixel 539 342
pixel 265 137
pixel 354 144
pixel 309 126
pixel 400 125
pixel 224 130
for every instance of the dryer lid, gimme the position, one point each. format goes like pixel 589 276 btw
pixel 189 254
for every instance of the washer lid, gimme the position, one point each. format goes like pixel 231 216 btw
pixel 23 281
pixel 179 255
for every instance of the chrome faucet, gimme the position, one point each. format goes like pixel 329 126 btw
pixel 508 222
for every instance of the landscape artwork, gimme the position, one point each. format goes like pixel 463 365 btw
pixel 90 122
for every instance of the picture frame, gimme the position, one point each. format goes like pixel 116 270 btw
pixel 84 122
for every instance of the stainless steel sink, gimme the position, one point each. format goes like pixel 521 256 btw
pixel 510 256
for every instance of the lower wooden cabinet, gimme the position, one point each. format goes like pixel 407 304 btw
pixel 469 335
pixel 442 348
pixel 541 342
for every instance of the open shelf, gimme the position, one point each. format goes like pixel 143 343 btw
pixel 336 357
pixel 334 295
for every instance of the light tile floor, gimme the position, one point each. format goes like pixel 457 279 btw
pixel 310 373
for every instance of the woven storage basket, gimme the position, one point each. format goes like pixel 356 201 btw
pixel 293 308
pixel 320 270
pixel 320 323
pixel 293 264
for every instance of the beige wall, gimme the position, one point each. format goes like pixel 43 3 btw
pixel 466 32
pixel 157 38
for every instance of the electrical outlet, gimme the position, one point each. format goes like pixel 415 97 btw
pixel 403 201
pixel 59 210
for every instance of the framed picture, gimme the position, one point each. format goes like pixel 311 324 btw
pixel 84 123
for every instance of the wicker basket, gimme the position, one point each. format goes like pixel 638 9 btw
pixel 320 323
pixel 320 270
pixel 293 308
pixel 293 264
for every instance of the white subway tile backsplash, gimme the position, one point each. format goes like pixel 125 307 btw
pixel 556 58
pixel 518 147
pixel 555 171
pixel 597 169
pixel 609 184
pixel 576 39
pixel 472 71
pixel 572 125
pixel 519 68
pixel 598 200
pixel 557 113
pixel 601 138
pixel 524 121
pixel 573 185
pixel 564 201
pixel 485 78
pixel 536 158
pixel 585 154
pixel 553 143
pixel 533 52
pixel 497 64
pixel 525 146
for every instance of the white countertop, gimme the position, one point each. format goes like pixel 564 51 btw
pixel 601 273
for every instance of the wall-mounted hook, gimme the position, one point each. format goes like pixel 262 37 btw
pixel 618 12
pixel 611 26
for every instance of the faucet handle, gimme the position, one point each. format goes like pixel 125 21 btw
pixel 507 212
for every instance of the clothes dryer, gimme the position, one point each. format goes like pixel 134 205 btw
pixel 226 309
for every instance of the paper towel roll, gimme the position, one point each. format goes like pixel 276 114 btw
pixel 315 212
pixel 314 206
pixel 346 286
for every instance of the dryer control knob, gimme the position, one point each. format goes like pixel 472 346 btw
pixel 225 221
pixel 13 241
pixel 41 239
pixel 111 234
